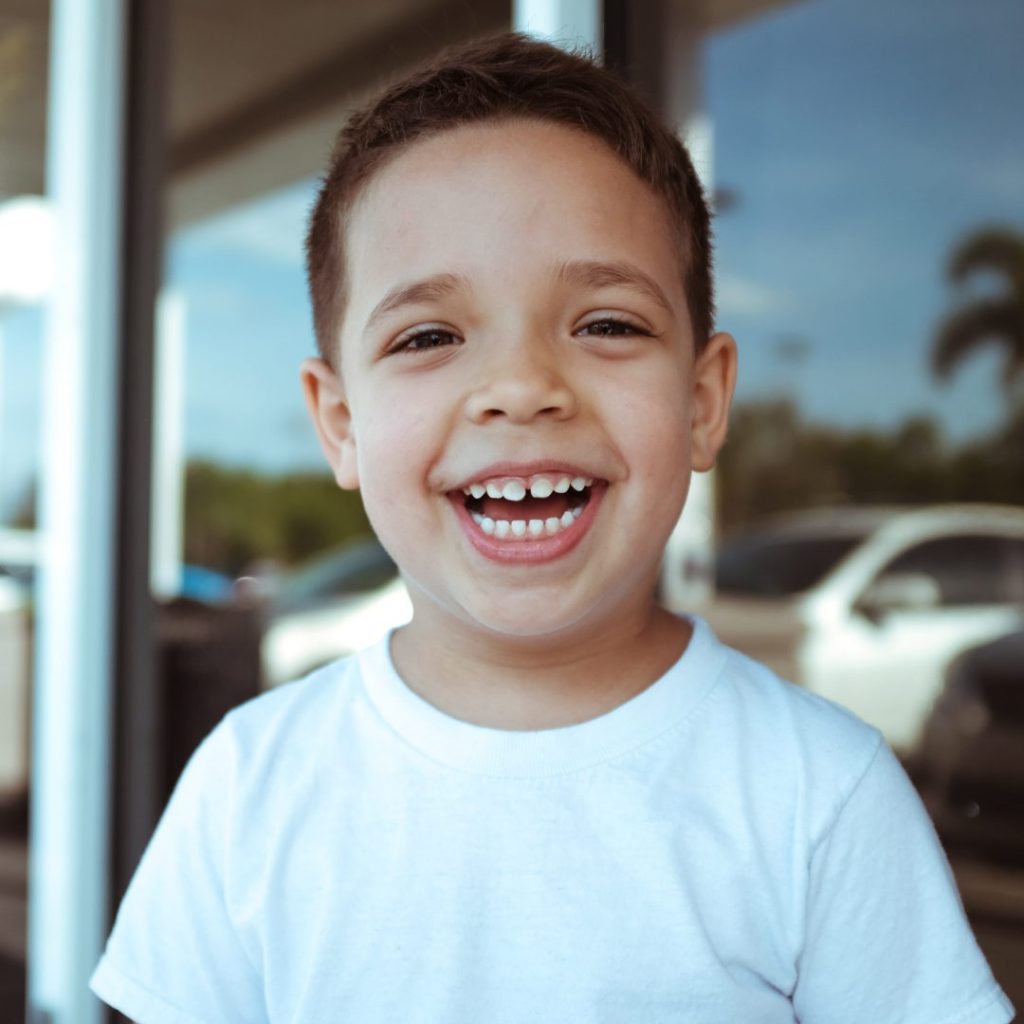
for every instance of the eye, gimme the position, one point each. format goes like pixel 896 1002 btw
pixel 613 327
pixel 425 339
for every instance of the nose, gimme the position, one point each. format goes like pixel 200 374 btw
pixel 525 384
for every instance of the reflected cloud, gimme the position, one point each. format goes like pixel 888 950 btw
pixel 742 296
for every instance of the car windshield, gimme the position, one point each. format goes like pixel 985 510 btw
pixel 778 565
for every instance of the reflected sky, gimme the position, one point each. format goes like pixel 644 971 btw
pixel 861 141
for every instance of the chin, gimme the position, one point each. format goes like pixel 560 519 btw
pixel 536 612
pixel 528 627
pixel 532 617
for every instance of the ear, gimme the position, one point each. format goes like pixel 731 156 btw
pixel 332 419
pixel 714 378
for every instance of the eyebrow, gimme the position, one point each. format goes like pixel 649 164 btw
pixel 596 274
pixel 585 273
pixel 428 290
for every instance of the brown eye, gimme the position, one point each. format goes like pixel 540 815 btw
pixel 611 327
pixel 433 337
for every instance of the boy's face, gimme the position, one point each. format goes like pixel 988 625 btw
pixel 516 320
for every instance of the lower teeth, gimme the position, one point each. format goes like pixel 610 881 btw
pixel 518 529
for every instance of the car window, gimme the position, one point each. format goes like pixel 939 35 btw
pixel 23 574
pixel 357 569
pixel 362 580
pixel 1016 561
pixel 770 565
pixel 969 569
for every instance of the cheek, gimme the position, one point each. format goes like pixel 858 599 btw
pixel 655 430
pixel 395 447
pixel 655 415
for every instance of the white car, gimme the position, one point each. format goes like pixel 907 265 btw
pixel 340 603
pixel 868 606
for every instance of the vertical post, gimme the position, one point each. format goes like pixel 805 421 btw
pixel 168 502
pixel 96 688
pixel 26 256
pixel 565 22
pixel 689 568
pixel 68 895
pixel 3 394
pixel 138 746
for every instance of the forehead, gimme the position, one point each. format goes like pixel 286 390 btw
pixel 500 203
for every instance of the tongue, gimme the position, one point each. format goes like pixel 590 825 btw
pixel 528 508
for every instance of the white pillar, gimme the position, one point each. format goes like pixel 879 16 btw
pixel 3 395
pixel 15 676
pixel 565 22
pixel 26 257
pixel 68 891
pixel 168 483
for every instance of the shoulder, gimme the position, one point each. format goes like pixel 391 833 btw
pixel 787 740
pixel 185 933
pixel 277 732
pixel 322 692
pixel 767 709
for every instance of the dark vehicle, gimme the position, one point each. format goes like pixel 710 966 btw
pixel 973 752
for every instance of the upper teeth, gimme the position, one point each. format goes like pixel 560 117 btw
pixel 516 488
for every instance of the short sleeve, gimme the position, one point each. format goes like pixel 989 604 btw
pixel 173 956
pixel 886 936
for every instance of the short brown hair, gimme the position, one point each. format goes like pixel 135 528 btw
pixel 509 76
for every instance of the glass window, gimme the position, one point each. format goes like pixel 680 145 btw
pixel 869 172
pixel 355 569
pixel 969 570
pixel 1015 567
pixel 25 274
pixel 778 566
pixel 869 186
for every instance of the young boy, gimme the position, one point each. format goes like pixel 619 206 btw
pixel 544 799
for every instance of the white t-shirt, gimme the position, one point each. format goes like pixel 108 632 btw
pixel 724 847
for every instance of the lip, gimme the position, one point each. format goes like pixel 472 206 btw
pixel 529 551
pixel 525 469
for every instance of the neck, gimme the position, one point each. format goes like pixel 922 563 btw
pixel 529 683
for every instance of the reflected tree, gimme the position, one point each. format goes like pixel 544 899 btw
pixel 774 462
pixel 234 517
pixel 991 319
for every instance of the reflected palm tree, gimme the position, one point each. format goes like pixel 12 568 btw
pixel 992 319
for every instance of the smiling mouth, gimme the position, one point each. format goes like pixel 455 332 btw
pixel 527 508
